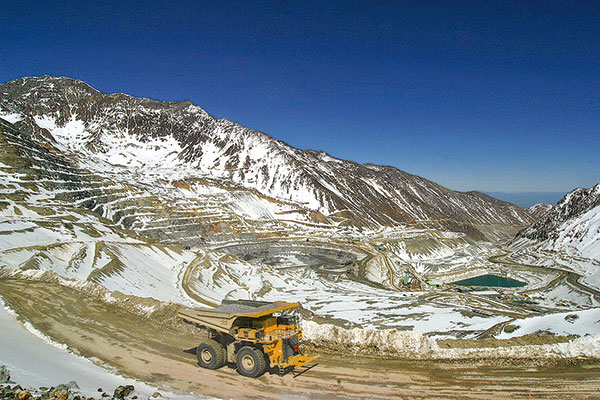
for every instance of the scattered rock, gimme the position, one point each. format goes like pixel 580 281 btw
pixel 571 318
pixel 68 391
pixel 62 389
pixel 156 394
pixel 5 392
pixel 123 391
pixel 23 395
pixel 4 374
pixel 72 385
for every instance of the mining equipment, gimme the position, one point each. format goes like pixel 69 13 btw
pixel 252 335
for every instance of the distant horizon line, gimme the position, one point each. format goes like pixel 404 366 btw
pixel 528 199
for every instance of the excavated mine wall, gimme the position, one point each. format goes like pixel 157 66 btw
pixel 307 253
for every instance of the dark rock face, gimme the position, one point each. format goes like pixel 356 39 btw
pixel 539 210
pixel 343 191
pixel 571 206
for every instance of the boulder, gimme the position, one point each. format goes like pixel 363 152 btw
pixel 4 374
pixel 123 391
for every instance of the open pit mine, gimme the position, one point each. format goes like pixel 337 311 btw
pixel 117 212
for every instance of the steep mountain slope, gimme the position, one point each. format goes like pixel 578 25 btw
pixel 179 141
pixel 539 210
pixel 42 227
pixel 567 235
pixel 574 223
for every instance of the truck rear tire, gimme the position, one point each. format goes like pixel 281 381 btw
pixel 210 354
pixel 250 362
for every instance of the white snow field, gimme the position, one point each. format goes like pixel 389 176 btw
pixel 115 261
pixel 581 323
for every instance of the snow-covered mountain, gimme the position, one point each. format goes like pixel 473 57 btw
pixel 213 210
pixel 50 228
pixel 572 226
pixel 180 144
pixel 539 210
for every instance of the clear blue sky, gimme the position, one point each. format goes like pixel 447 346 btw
pixel 492 96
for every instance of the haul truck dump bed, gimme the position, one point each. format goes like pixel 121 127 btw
pixel 253 335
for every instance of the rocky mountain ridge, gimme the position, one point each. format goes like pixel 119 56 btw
pixel 178 141
pixel 573 224
pixel 539 210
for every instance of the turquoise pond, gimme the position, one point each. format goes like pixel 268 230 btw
pixel 490 280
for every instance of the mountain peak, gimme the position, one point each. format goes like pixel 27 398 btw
pixel 570 208
pixel 181 139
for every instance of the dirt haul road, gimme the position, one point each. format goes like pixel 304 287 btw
pixel 150 348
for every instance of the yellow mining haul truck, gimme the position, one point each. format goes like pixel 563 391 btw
pixel 253 335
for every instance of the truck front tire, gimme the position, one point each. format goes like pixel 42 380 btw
pixel 250 362
pixel 210 354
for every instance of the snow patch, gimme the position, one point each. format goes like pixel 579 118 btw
pixel 11 117
pixel 579 323
pixel 31 329
pixel 407 343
